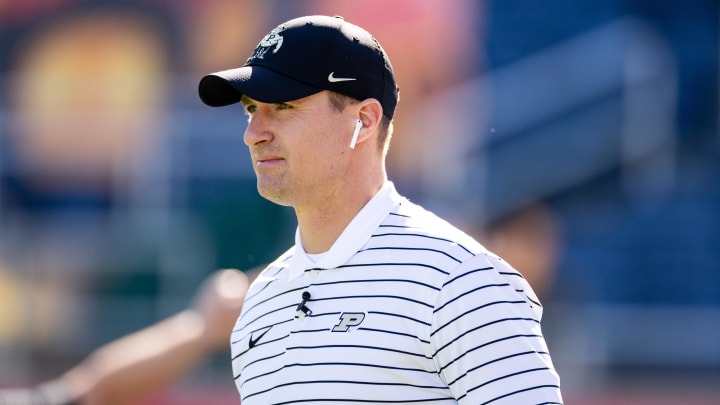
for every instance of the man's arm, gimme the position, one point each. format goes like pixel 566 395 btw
pixel 136 365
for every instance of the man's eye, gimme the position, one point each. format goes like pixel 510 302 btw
pixel 250 109
pixel 283 106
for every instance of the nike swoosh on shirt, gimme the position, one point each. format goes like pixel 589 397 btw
pixel 333 79
pixel 254 340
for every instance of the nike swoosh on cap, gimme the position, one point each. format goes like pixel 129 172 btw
pixel 333 79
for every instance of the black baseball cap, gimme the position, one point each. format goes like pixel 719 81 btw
pixel 304 56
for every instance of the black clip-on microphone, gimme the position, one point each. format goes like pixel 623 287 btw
pixel 301 306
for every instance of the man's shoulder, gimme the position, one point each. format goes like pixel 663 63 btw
pixel 421 226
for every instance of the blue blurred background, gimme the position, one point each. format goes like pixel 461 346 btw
pixel 576 138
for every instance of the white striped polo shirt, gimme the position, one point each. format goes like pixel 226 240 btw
pixel 403 309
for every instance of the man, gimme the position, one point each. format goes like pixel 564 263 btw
pixel 379 301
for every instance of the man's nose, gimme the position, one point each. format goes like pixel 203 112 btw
pixel 258 130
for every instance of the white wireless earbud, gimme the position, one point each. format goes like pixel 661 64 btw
pixel 358 125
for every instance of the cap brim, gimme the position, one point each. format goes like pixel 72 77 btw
pixel 261 84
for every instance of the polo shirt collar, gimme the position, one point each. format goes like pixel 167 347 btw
pixel 352 239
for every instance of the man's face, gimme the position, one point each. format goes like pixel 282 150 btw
pixel 299 149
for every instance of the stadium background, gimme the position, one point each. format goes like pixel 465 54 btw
pixel 577 138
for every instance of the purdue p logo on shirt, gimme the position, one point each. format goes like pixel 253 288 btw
pixel 348 320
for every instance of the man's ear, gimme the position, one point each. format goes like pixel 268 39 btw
pixel 370 114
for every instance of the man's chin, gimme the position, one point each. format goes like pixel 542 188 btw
pixel 277 195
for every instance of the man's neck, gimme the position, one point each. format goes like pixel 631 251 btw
pixel 321 225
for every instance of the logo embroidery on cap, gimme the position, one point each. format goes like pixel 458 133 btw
pixel 272 39
pixel 333 79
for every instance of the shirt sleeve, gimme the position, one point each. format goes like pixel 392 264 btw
pixel 486 338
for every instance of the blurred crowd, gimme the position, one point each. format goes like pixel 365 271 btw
pixel 578 140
